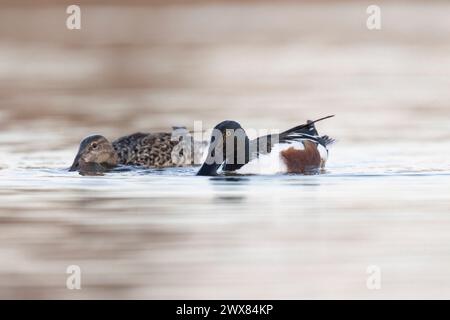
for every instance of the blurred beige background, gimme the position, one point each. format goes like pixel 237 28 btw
pixel 150 65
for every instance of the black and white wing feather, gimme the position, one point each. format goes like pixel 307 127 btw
pixel 307 131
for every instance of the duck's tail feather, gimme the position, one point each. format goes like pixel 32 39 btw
pixel 306 131
pixel 307 128
pixel 326 140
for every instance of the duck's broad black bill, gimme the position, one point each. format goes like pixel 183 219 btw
pixel 209 169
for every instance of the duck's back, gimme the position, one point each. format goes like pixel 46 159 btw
pixel 144 149
pixel 154 150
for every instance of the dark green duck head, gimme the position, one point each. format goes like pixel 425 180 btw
pixel 229 147
pixel 95 152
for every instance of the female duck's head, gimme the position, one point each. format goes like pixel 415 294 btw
pixel 95 149
pixel 229 144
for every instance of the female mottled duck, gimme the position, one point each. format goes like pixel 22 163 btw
pixel 150 150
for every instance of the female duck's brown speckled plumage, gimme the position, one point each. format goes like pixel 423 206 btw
pixel 141 149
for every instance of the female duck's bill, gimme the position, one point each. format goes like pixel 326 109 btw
pixel 96 153
pixel 297 150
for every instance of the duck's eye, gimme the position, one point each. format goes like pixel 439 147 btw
pixel 94 145
pixel 228 133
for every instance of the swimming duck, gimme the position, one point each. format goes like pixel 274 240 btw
pixel 297 150
pixel 158 150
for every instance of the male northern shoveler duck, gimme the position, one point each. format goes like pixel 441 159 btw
pixel 158 150
pixel 297 150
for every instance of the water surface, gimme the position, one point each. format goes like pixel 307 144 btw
pixel 149 233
